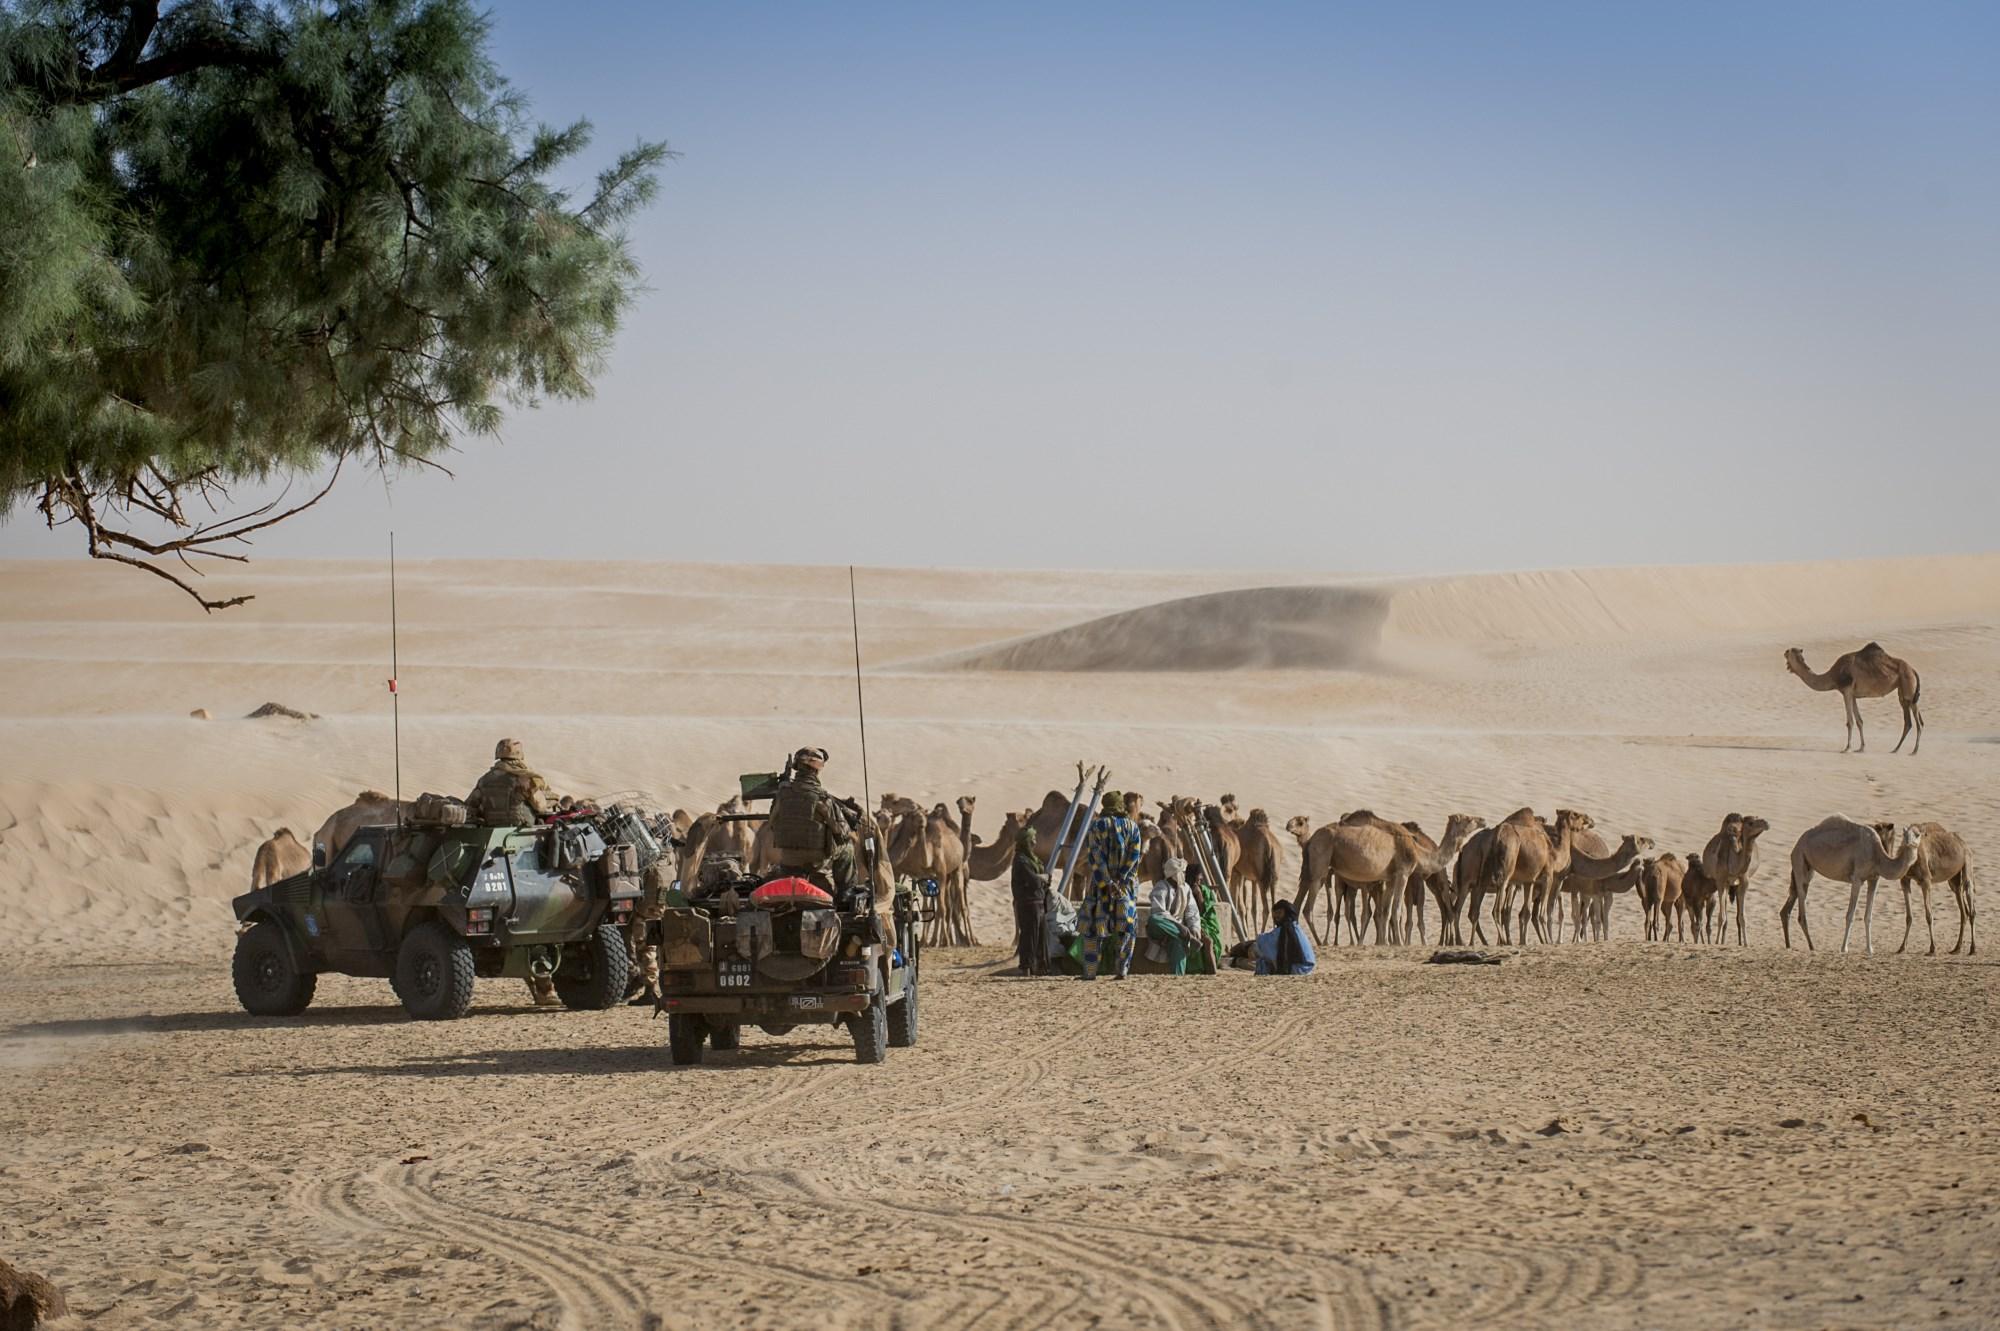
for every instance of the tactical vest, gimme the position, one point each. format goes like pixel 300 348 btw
pixel 500 799
pixel 797 833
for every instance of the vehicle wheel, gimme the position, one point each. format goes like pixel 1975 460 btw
pixel 903 1019
pixel 268 982
pixel 684 1038
pixel 725 1037
pixel 434 973
pixel 593 973
pixel 871 1032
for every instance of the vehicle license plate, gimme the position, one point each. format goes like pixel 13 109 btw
pixel 733 974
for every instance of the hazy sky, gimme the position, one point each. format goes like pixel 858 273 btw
pixel 1389 287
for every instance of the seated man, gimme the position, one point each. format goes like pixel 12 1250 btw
pixel 1284 949
pixel 1176 916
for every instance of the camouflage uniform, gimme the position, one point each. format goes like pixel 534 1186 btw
pixel 810 832
pixel 638 934
pixel 511 793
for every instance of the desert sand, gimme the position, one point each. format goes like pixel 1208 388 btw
pixel 1628 1134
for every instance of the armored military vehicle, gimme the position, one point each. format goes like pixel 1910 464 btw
pixel 432 904
pixel 736 952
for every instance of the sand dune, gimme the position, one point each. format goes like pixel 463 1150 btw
pixel 1366 1148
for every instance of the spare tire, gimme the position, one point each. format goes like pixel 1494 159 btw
pixel 593 973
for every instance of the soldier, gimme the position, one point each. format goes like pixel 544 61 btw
pixel 810 830
pixel 639 934
pixel 511 793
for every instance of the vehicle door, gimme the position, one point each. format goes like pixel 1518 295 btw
pixel 350 921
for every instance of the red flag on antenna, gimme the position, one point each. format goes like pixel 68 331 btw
pixel 392 686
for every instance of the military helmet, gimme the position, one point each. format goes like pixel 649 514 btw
pixel 508 749
pixel 809 758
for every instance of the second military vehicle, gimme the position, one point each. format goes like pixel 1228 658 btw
pixel 433 904
pixel 735 951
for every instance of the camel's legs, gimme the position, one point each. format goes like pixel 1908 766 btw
pixel 1860 731
pixel 1475 903
pixel 1742 894
pixel 1853 900
pixel 1930 930
pixel 1907 724
pixel 1917 710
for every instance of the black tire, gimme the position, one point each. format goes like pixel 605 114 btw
pixel 685 1034
pixel 434 973
pixel 269 982
pixel 593 973
pixel 725 1037
pixel 903 1018
pixel 871 1032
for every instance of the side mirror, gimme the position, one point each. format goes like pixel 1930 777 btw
pixel 319 856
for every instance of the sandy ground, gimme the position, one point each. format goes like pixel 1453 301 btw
pixel 1616 1135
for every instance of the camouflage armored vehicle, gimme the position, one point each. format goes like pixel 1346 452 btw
pixel 432 905
pixel 738 952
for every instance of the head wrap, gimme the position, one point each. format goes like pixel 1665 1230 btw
pixel 1113 805
pixel 1174 871
pixel 1024 849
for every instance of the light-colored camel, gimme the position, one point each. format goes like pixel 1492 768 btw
pixel 371 808
pixel 1373 854
pixel 1592 875
pixel 1943 859
pixel 1868 673
pixel 734 838
pixel 1340 900
pixel 282 856
pixel 1256 869
pixel 1397 915
pixel 1730 859
pixel 1847 852
pixel 931 845
pixel 1433 869
pixel 1524 853
pixel 1660 895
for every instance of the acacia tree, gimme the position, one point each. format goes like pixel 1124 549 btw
pixel 243 240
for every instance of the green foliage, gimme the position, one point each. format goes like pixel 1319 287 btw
pixel 241 239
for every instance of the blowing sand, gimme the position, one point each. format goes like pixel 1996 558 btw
pixel 1619 1135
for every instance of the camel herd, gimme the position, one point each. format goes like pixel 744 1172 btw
pixel 1365 870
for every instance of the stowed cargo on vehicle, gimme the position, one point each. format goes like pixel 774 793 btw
pixel 433 905
pixel 735 951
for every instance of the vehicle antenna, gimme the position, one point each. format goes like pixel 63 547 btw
pixel 395 698
pixel 860 707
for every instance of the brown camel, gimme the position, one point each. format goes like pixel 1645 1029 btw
pixel 1363 851
pixel 282 856
pixel 371 808
pixel 1524 853
pixel 1396 915
pixel 1341 900
pixel 1228 843
pixel 1660 895
pixel 1593 877
pixel 734 838
pixel 1256 869
pixel 987 860
pixel 930 845
pixel 1942 859
pixel 1701 901
pixel 1868 673
pixel 1729 859
pixel 1847 852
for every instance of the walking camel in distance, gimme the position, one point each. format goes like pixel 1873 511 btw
pixel 1729 859
pixel 1942 859
pixel 1847 852
pixel 1868 673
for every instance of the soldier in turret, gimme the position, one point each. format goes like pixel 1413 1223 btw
pixel 812 833
pixel 511 793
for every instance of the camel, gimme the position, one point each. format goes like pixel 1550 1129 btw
pixel 371 808
pixel 282 856
pixel 734 838
pixel 1395 914
pixel 1942 859
pixel 930 845
pixel 1256 867
pixel 1433 869
pixel 1868 673
pixel 1660 895
pixel 987 860
pixel 1701 901
pixel 1593 878
pixel 1850 852
pixel 1228 844
pixel 1525 853
pixel 1363 850
pixel 1729 859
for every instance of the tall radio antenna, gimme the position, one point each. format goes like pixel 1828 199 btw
pixel 395 698
pixel 860 707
